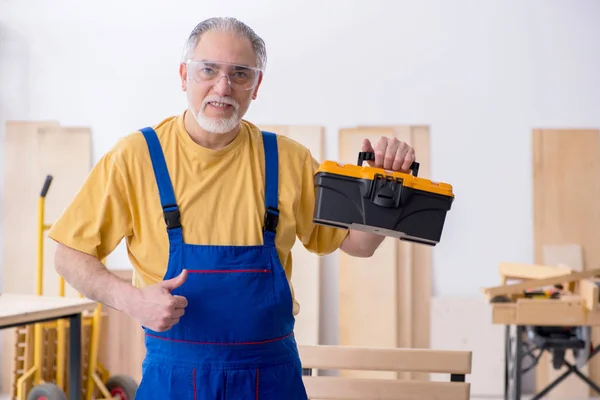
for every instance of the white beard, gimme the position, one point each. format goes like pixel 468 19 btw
pixel 217 125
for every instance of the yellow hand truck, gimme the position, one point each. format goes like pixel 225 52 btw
pixel 39 366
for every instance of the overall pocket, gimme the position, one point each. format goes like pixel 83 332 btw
pixel 229 304
pixel 163 381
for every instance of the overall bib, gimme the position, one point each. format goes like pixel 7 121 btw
pixel 235 340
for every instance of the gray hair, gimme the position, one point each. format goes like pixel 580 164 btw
pixel 229 25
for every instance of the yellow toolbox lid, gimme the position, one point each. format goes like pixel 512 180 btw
pixel 408 180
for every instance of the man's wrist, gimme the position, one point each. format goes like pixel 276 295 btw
pixel 125 296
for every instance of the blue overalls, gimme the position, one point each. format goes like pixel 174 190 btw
pixel 235 340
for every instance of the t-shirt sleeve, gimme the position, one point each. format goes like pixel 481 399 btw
pixel 99 216
pixel 318 239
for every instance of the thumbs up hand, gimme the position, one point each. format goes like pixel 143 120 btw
pixel 156 308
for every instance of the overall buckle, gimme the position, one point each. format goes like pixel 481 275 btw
pixel 271 219
pixel 172 217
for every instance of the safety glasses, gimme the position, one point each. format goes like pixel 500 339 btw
pixel 240 77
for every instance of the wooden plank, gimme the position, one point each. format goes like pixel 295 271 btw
pixel 20 196
pixel 368 286
pixel 566 189
pixel 590 292
pixel 422 282
pixel 340 388
pixel 306 275
pixel 517 288
pixel 386 359
pixel 570 311
pixel 531 271
pixel 521 313
pixel 25 309
pixel 399 290
pixel 66 154
pixel 415 285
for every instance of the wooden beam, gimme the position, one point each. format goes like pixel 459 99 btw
pixel 589 291
pixel 566 210
pixel 401 287
pixel 338 388
pixel 535 283
pixel 386 359
pixel 531 271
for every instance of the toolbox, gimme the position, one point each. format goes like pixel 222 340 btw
pixel 384 202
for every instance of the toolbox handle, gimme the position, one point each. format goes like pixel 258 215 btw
pixel 370 156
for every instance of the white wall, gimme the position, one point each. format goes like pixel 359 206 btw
pixel 481 73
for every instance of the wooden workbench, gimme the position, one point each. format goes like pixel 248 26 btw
pixel 18 310
pixel 564 299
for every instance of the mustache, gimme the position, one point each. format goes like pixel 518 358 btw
pixel 219 99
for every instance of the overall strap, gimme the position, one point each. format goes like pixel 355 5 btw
pixel 165 187
pixel 271 188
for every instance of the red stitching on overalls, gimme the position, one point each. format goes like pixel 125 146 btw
pixel 194 382
pixel 216 271
pixel 257 375
pixel 219 343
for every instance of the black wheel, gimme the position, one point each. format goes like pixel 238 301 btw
pixel 122 387
pixel 46 391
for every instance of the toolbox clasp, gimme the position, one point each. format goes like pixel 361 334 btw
pixel 386 191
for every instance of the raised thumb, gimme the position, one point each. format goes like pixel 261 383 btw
pixel 174 283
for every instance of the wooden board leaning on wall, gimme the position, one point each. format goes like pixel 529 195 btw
pixel 384 300
pixel 566 189
pixel 306 274
pixel 34 149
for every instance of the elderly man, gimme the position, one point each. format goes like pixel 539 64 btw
pixel 210 208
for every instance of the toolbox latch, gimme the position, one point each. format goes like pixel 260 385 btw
pixel 386 191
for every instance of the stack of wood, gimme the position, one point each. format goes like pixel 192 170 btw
pixel 545 295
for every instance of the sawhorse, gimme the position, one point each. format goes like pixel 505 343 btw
pixel 518 346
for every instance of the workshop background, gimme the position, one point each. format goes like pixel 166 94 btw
pixel 478 78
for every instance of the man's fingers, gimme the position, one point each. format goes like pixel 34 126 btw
pixel 392 148
pixel 408 159
pixel 380 150
pixel 400 157
pixel 178 313
pixel 180 302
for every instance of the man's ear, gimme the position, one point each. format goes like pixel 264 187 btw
pixel 183 75
pixel 255 93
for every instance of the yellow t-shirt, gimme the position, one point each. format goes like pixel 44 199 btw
pixel 220 194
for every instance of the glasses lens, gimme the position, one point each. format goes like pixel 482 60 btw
pixel 239 76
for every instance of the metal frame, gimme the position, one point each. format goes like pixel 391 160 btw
pixel 75 374
pixel 517 348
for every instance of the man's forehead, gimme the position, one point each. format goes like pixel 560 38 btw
pixel 225 48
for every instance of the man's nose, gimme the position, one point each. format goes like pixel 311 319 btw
pixel 222 86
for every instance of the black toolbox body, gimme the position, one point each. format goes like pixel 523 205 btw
pixel 387 203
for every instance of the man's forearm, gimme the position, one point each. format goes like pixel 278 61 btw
pixel 361 244
pixel 92 279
